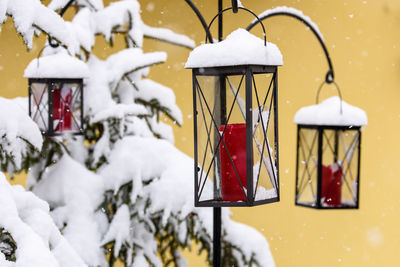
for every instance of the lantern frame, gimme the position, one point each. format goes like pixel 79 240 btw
pixel 248 71
pixel 319 135
pixel 50 82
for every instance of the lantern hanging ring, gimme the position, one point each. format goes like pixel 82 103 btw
pixel 40 53
pixel 330 76
pixel 337 89
pixel 44 47
pixel 235 9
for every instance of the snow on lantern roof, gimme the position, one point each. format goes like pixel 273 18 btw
pixel 60 65
pixel 328 113
pixel 239 48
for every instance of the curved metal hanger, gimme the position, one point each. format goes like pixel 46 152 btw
pixel 330 75
pixel 51 40
pixel 201 18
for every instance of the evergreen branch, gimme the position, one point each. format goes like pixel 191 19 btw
pixel 90 5
pixel 168 41
pixel 168 36
pixel 156 108
pixel 8 246
pixel 7 158
pixel 136 69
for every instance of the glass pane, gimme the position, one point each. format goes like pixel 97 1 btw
pixel 233 146
pixel 207 91
pixel 331 175
pixel 265 173
pixel 307 170
pixel 76 107
pixel 39 105
pixel 348 142
pixel 66 107
pixel 339 168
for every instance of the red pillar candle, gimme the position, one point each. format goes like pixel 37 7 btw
pixel 235 141
pixel 332 185
pixel 62 101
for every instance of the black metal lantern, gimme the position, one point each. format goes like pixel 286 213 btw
pixel 328 155
pixel 56 94
pixel 236 122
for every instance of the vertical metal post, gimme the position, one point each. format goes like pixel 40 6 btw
pixel 249 135
pixel 358 168
pixel 51 85
pixel 196 164
pixel 297 164
pixel 220 21
pixel 30 98
pixel 336 152
pixel 82 106
pixel 217 210
pixel 275 96
pixel 319 179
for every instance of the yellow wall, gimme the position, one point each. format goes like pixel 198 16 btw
pixel 364 42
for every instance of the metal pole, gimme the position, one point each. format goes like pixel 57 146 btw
pixel 217 210
pixel 217 238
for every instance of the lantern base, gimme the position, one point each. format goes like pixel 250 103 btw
pixel 326 207
pixel 220 203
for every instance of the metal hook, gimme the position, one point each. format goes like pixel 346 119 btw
pixel 329 78
pixel 39 54
pixel 53 43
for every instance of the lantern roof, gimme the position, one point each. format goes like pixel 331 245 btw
pixel 239 48
pixel 328 113
pixel 57 66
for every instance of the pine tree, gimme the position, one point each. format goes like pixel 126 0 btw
pixel 122 191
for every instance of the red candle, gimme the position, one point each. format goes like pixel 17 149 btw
pixel 332 185
pixel 62 101
pixel 235 141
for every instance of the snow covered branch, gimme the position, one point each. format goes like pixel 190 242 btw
pixel 33 238
pixel 168 36
pixel 19 136
pixel 29 15
pixel 111 194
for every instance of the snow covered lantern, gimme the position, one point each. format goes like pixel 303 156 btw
pixel 56 93
pixel 328 154
pixel 236 124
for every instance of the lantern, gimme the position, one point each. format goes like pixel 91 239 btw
pixel 328 155
pixel 235 110
pixel 56 93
